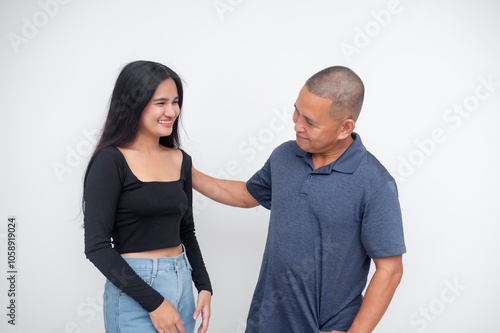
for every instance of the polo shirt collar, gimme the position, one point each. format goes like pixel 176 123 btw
pixel 348 162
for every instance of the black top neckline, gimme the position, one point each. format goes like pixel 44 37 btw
pixel 151 181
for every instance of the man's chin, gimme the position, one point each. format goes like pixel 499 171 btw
pixel 301 145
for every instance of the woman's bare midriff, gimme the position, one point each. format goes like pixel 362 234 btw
pixel 160 253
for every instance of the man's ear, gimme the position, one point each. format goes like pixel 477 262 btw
pixel 347 127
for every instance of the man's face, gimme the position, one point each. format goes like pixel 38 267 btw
pixel 317 131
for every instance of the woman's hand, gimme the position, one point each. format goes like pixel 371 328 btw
pixel 203 306
pixel 166 318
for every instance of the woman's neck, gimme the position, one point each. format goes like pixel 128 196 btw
pixel 144 143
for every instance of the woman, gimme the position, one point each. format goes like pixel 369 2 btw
pixel 139 229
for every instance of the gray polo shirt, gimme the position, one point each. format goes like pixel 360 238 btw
pixel 325 226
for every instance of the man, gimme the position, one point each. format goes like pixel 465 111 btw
pixel 334 208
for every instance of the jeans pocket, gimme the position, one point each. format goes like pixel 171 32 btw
pixel 145 277
pixel 188 264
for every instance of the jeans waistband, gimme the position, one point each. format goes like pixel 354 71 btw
pixel 156 264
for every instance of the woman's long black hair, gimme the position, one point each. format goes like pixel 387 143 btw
pixel 133 90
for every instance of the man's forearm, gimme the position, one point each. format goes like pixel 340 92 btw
pixel 378 295
pixel 227 192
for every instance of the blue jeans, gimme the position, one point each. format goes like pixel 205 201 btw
pixel 171 277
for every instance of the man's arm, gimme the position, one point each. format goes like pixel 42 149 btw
pixel 379 293
pixel 227 192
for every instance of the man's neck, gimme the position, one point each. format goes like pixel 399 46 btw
pixel 322 159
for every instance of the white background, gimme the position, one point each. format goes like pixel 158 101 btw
pixel 243 63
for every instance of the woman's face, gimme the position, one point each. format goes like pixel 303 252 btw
pixel 158 117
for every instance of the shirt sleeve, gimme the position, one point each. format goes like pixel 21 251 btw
pixel 200 275
pixel 102 188
pixel 382 225
pixel 259 185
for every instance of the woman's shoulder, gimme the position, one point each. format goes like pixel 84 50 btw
pixel 108 153
pixel 184 154
pixel 184 160
pixel 108 156
pixel 106 165
pixel 180 156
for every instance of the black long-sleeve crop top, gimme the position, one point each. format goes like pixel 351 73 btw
pixel 124 215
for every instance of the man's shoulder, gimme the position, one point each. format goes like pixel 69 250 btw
pixel 288 147
pixel 374 169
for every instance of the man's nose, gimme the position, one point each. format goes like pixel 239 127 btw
pixel 298 127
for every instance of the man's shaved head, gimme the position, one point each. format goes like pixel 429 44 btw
pixel 342 86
